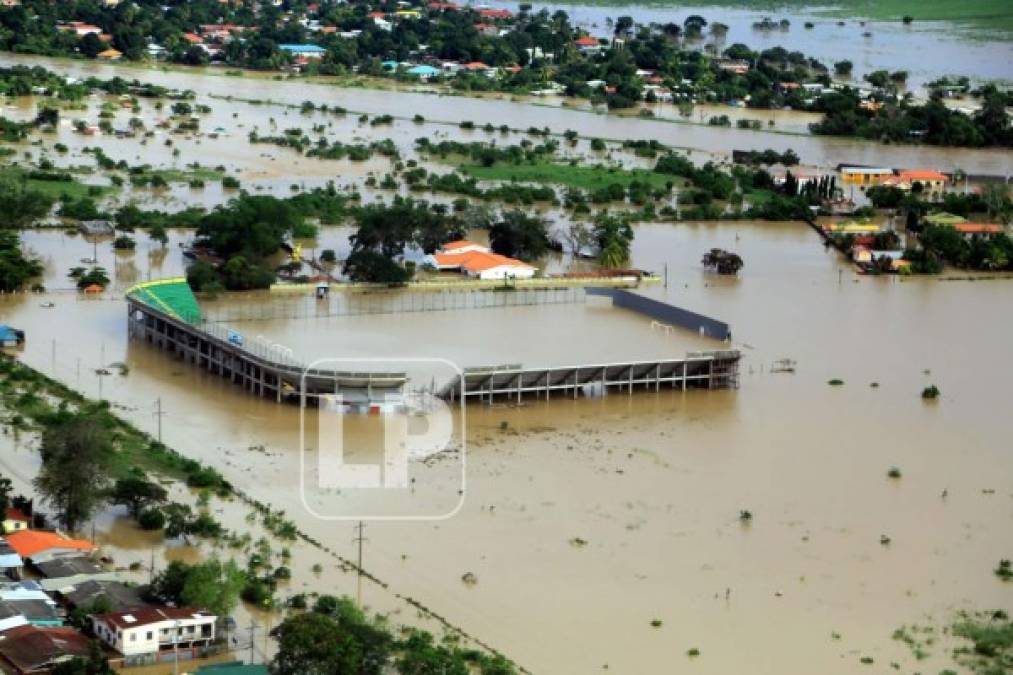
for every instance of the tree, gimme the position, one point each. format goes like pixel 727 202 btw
pixel 20 205
pixel 518 235
pixel 6 488
pixel 374 267
pixel 614 236
pixel 314 644
pixel 136 493
pixel 76 450
pixel 15 268
pixel 213 586
pixel 158 233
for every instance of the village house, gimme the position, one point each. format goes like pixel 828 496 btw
pixel 311 52
pixel 863 175
pixel 139 635
pixel 11 563
pixel 933 183
pixel 15 520
pixel 40 546
pixel 79 28
pixel 26 649
pixel 980 229
pixel 477 261
pixel 587 45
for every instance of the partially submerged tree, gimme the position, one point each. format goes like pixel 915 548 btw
pixel 76 452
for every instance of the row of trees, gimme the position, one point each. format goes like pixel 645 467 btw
pixel 904 121
pixel 335 636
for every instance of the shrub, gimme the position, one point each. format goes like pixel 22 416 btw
pixel 151 519
pixel 930 392
pixel 894 472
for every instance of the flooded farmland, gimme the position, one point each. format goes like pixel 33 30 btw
pixel 519 114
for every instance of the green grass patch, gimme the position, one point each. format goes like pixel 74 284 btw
pixel 55 188
pixel 589 178
pixel 186 175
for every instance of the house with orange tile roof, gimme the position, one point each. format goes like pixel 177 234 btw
pixel 933 183
pixel 478 262
pixel 193 38
pixel 983 229
pixel 587 45
pixel 40 544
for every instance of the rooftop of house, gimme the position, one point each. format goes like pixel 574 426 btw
pixel 121 597
pixel 477 261
pixel 586 41
pixel 35 610
pixel 32 648
pixel 69 566
pixel 27 543
pixel 921 174
pixel 977 228
pixel 15 514
pixel 461 244
pixel 149 615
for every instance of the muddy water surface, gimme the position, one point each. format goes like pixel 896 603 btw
pixel 653 484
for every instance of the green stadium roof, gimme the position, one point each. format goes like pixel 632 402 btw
pixel 171 296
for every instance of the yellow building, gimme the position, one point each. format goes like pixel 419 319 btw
pixel 864 175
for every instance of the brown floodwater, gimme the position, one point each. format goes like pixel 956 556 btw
pixel 819 151
pixel 652 483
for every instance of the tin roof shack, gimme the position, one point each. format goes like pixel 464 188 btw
pixel 96 228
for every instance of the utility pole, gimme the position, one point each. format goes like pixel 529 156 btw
pixel 253 641
pixel 359 539
pixel 54 358
pixel 666 275
pixel 101 370
pixel 158 415
pixel 151 567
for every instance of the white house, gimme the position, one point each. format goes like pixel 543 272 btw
pixel 477 261
pixel 142 633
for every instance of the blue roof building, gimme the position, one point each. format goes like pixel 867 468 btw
pixel 424 71
pixel 304 50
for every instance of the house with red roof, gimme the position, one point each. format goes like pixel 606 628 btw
pixel 36 649
pixel 487 29
pixel 933 183
pixel 193 38
pixel 495 13
pixel 587 45
pixel 15 520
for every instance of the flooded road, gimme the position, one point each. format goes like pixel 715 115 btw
pixel 818 151
pixel 585 521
